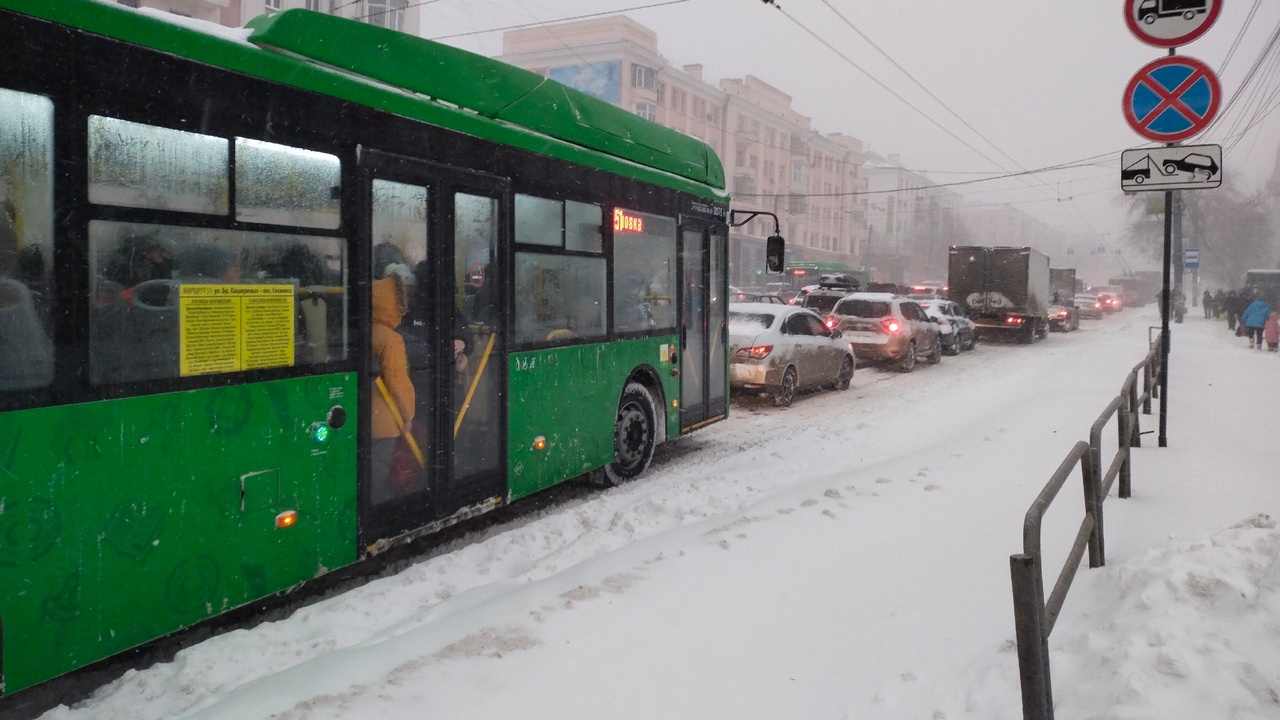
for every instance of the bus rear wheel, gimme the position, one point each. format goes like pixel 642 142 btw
pixel 634 434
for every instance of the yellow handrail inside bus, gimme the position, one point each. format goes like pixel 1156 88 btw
pixel 475 381
pixel 404 429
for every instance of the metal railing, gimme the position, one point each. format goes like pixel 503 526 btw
pixel 1035 615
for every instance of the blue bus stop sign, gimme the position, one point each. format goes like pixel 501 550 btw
pixel 1172 98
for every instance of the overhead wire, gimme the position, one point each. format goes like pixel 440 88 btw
pixel 938 100
pixel 1239 36
pixel 1261 92
pixel 1244 84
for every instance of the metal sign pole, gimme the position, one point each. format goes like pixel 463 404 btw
pixel 1162 439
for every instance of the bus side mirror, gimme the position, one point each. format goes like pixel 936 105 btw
pixel 774 252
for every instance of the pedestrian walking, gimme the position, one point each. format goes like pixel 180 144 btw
pixel 1232 307
pixel 1271 331
pixel 1254 318
pixel 1207 301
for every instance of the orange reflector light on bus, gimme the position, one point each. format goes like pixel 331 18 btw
pixel 286 519
pixel 675 403
pixel 540 443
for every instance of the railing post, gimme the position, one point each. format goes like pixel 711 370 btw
pixel 1128 437
pixel 1146 389
pixel 1093 506
pixel 1033 643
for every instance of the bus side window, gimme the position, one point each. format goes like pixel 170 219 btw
pixel 26 240
pixel 559 297
pixel 139 271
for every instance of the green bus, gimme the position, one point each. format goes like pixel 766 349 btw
pixel 800 273
pixel 200 229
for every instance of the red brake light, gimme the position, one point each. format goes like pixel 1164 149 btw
pixel 891 325
pixel 831 322
pixel 759 352
pixel 1014 320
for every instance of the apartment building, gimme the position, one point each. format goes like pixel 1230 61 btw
pixel 911 222
pixel 774 159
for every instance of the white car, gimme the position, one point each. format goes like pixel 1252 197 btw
pixel 1088 306
pixel 958 331
pixel 782 349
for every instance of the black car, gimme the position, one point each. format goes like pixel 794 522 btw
pixel 1192 163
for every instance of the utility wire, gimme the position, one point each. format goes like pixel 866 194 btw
pixel 947 107
pixel 1245 83
pixel 1239 36
pixel 1061 166
pixel 921 85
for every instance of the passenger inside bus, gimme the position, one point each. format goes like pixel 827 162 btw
pixel 207 262
pixel 393 400
pixel 25 344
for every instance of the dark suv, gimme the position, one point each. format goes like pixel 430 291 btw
pixel 831 288
pixel 887 327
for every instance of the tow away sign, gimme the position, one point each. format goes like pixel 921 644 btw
pixel 1182 167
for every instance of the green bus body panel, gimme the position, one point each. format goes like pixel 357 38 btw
pixel 125 520
pixel 697 170
pixel 570 397
pixel 405 61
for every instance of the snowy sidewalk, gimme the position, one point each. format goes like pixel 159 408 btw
pixel 1184 622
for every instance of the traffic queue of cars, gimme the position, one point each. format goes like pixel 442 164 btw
pixel 780 349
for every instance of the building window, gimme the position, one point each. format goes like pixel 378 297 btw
pixel 271 5
pixel 385 13
pixel 647 111
pixel 700 108
pixel 662 91
pixel 313 5
pixel 644 77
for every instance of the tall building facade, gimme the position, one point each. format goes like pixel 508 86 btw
pixel 911 222
pixel 774 159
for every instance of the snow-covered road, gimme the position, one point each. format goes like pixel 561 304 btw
pixel 843 558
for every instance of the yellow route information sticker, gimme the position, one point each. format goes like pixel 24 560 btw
pixel 228 328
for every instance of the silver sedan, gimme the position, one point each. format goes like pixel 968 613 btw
pixel 781 349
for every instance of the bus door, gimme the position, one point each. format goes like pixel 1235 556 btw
pixel 703 336
pixel 433 236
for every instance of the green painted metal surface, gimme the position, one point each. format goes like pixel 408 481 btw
pixel 556 122
pixel 570 397
pixel 122 521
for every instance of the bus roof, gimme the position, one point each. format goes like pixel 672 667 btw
pixel 416 78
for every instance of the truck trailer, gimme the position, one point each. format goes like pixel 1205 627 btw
pixel 1004 289
pixel 1062 285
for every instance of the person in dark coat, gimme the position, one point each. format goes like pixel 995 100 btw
pixel 1207 301
pixel 1232 307
pixel 1255 318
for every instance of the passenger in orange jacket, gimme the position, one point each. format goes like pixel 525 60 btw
pixel 393 369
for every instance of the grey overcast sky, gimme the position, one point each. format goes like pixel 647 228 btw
pixel 1042 80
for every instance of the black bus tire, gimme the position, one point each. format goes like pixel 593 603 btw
pixel 635 434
